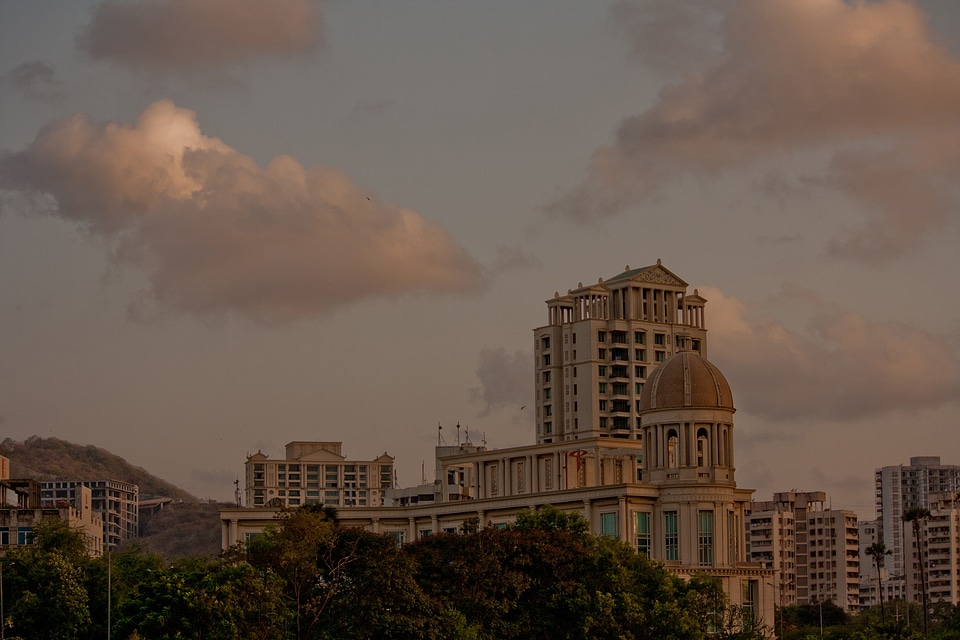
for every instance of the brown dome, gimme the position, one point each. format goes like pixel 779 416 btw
pixel 686 380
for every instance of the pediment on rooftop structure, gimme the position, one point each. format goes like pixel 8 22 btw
pixel 654 274
pixel 320 454
pixel 257 457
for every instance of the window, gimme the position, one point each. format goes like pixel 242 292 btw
pixel 574 389
pixel 620 388
pixel 601 336
pixel 640 354
pixel 602 354
pixel 603 405
pixel 574 372
pixel 398 537
pixel 705 537
pixel 749 600
pixel 548 410
pixel 661 356
pixel 671 535
pixel 574 338
pixel 608 524
pixel 640 372
pixel 659 339
pixel 603 387
pixel 546 377
pixel 425 533
pixel 642 529
pixel 576 406
pixel 638 389
pixel 545 341
pixel 546 360
pixel 24 535
pixel 618 337
pixel 548 427
pixel 601 370
pixel 639 337
pixel 547 393
pixel 4 535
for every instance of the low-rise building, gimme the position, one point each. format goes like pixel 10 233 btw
pixel 19 520
pixel 316 473
pixel 940 546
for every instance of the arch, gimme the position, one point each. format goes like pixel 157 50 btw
pixel 673 448
pixel 703 447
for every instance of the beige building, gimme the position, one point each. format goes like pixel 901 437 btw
pixel 115 501
pixel 599 345
pixel 666 484
pixel 814 551
pixel 940 543
pixel 316 473
pixel 21 512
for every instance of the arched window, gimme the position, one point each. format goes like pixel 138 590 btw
pixel 703 448
pixel 672 446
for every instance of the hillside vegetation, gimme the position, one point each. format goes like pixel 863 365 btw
pixel 49 458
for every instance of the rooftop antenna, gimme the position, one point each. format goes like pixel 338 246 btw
pixel 458 434
pixel 440 434
pixel 423 473
pixel 236 491
pixel 484 439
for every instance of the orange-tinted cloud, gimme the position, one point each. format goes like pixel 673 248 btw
pixel 844 366
pixel 171 35
pixel 218 234
pixel 796 75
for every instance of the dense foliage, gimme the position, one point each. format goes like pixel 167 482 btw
pixel 308 577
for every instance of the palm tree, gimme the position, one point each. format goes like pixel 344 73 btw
pixel 877 551
pixel 916 516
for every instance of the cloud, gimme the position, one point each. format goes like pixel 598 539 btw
pixel 671 37
pixel 843 366
pixel 218 234
pixel 798 76
pixel 35 79
pixel 174 35
pixel 506 380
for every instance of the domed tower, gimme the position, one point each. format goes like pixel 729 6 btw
pixel 686 418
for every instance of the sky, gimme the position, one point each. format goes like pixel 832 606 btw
pixel 226 225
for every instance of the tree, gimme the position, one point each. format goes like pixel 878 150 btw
pixel 877 551
pixel 50 600
pixel 308 551
pixel 916 516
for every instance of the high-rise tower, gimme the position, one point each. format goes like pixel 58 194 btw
pixel 600 343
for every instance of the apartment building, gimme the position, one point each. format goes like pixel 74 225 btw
pixel 115 501
pixel 902 487
pixel 599 346
pixel 316 473
pixel 940 546
pixel 22 511
pixel 814 551
pixel 870 579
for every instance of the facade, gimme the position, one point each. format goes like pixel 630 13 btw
pixel 316 473
pixel 869 580
pixel 940 545
pixel 814 551
pixel 116 503
pixel 666 484
pixel 18 520
pixel 600 344
pixel 902 487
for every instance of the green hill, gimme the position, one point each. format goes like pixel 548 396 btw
pixel 50 458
